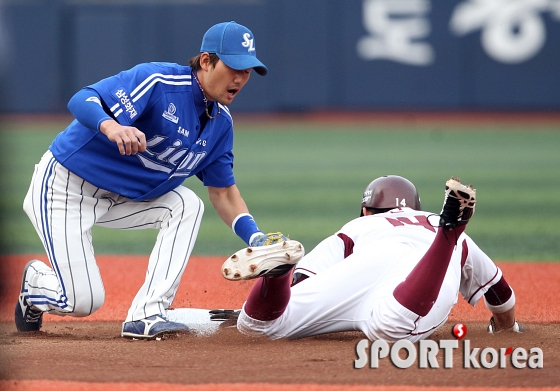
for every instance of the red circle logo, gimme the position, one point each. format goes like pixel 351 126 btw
pixel 459 331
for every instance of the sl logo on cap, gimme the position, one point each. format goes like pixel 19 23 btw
pixel 248 42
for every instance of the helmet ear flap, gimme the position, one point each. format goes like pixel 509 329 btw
pixel 389 192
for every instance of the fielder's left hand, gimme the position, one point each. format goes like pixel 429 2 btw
pixel 268 239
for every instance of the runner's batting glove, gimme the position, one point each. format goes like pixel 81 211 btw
pixel 268 239
pixel 516 328
pixel 222 315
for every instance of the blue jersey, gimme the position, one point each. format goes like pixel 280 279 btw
pixel 160 100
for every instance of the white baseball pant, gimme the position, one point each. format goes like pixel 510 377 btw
pixel 357 294
pixel 63 208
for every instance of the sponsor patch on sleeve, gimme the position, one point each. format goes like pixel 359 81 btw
pixel 125 104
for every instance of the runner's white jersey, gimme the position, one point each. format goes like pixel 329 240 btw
pixel 404 226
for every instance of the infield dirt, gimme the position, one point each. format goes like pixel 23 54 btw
pixel 89 353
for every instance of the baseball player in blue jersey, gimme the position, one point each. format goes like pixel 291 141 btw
pixel 120 164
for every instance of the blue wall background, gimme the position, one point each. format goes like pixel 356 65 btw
pixel 321 54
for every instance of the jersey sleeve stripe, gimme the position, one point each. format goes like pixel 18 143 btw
pixel 159 75
pixel 115 107
pixel 225 109
pixel 177 83
pixel 475 294
pixel 348 244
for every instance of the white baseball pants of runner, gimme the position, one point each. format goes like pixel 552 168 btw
pixel 356 294
pixel 63 208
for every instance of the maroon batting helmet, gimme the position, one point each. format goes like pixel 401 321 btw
pixel 390 191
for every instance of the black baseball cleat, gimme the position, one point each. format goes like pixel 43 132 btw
pixel 263 261
pixel 26 316
pixel 458 205
pixel 152 327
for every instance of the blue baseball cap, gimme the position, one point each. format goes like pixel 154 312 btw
pixel 234 44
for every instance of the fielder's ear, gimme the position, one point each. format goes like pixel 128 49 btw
pixel 365 212
pixel 204 60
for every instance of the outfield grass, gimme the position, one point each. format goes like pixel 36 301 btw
pixel 307 180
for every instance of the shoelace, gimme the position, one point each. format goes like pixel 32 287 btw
pixel 33 316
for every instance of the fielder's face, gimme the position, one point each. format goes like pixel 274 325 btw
pixel 222 83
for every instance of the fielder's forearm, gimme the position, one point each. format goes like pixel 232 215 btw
pixel 228 202
pixel 233 211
